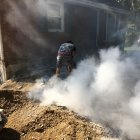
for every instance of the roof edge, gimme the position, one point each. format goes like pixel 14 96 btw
pixel 98 5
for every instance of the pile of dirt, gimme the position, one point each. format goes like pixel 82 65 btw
pixel 52 123
pixel 28 120
pixel 16 86
pixel 12 100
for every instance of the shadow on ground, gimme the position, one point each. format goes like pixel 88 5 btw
pixel 9 134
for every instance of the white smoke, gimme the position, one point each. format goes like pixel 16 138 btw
pixel 107 92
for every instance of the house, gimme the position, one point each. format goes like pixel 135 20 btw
pixel 32 30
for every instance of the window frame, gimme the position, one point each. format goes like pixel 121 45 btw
pixel 61 5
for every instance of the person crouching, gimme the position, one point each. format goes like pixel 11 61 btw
pixel 65 56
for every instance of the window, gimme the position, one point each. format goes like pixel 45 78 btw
pixel 55 14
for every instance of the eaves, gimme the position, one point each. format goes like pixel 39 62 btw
pixel 98 5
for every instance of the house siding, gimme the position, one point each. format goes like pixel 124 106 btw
pixel 81 25
pixel 24 54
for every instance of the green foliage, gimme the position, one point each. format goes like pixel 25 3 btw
pixel 132 34
pixel 133 31
pixel 133 5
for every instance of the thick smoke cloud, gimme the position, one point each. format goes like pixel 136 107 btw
pixel 107 92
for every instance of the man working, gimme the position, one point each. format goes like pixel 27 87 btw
pixel 65 56
pixel 3 119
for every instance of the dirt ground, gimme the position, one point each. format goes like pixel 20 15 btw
pixel 28 120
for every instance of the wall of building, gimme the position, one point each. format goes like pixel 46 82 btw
pixel 30 46
pixel 82 26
